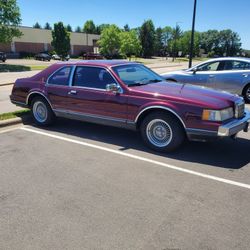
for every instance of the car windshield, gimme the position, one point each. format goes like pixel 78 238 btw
pixel 136 75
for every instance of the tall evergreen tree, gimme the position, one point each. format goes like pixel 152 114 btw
pixel 37 26
pixel 147 37
pixel 47 26
pixel 89 27
pixel 61 40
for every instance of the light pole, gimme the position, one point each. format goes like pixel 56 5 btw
pixel 192 37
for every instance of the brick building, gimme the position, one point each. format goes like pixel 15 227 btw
pixel 38 40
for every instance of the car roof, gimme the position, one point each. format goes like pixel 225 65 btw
pixel 103 63
pixel 245 59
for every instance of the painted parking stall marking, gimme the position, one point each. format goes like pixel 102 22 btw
pixel 156 163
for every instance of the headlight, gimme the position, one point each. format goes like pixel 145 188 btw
pixel 217 115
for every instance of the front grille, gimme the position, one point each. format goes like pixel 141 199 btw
pixel 239 109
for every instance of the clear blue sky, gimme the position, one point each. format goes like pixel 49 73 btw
pixel 211 14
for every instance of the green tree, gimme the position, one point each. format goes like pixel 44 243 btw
pixel 159 42
pixel 230 43
pixel 47 26
pixel 110 41
pixel 37 26
pixel 101 27
pixel 78 29
pixel 61 40
pixel 69 28
pixel 9 20
pixel 184 43
pixel 147 38
pixel 130 44
pixel 89 27
pixel 167 37
pixel 126 27
pixel 210 41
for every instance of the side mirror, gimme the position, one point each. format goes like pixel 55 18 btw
pixel 113 87
pixel 194 70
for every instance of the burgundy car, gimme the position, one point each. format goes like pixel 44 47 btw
pixel 129 95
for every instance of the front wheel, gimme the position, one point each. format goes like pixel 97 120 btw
pixel 42 112
pixel 162 132
pixel 246 93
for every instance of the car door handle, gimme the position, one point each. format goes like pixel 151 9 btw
pixel 72 92
pixel 211 76
pixel 245 75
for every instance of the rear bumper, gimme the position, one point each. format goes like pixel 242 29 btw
pixel 228 129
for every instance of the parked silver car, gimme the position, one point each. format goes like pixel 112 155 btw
pixel 231 74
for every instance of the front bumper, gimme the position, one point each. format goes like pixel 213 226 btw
pixel 228 129
pixel 235 126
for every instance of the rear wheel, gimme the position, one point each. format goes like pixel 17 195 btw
pixel 42 112
pixel 246 93
pixel 162 132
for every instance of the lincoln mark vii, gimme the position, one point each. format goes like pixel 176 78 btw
pixel 131 96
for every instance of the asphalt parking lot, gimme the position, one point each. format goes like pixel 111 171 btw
pixel 83 186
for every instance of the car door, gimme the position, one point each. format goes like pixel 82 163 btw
pixel 57 88
pixel 88 95
pixel 205 74
pixel 232 77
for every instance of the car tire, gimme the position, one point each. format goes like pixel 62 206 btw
pixel 42 112
pixel 162 132
pixel 246 93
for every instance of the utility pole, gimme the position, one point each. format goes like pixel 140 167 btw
pixel 192 37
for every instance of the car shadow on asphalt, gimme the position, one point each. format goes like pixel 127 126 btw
pixel 226 153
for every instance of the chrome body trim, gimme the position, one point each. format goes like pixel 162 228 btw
pixel 160 107
pixel 40 93
pixel 98 119
pixel 235 126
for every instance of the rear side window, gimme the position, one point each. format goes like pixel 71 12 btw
pixel 61 77
pixel 92 77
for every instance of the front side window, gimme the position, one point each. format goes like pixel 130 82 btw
pixel 61 77
pixel 213 66
pixel 92 77
pixel 133 75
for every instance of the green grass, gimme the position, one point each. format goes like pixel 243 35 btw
pixel 6 116
pixel 20 68
pixel 13 68
pixel 37 67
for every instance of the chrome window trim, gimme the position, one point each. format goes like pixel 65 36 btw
pixel 93 66
pixel 65 66
pixel 160 107
pixel 37 92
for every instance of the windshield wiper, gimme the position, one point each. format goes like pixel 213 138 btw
pixel 137 84
pixel 154 80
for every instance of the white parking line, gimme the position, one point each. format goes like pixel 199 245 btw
pixel 158 163
pixel 8 130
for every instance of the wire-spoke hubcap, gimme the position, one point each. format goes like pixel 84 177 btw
pixel 40 111
pixel 248 94
pixel 159 133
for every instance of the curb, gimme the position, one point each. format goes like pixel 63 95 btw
pixel 14 121
pixel 6 84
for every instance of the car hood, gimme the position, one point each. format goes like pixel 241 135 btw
pixel 187 93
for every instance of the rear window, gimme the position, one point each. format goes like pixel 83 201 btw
pixel 61 77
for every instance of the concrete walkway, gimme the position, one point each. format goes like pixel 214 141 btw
pixel 10 77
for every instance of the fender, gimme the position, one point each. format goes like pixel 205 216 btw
pixel 160 107
pixel 39 93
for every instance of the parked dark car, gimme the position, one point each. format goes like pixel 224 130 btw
pixel 43 57
pixel 3 56
pixel 228 73
pixel 129 95
pixel 92 56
